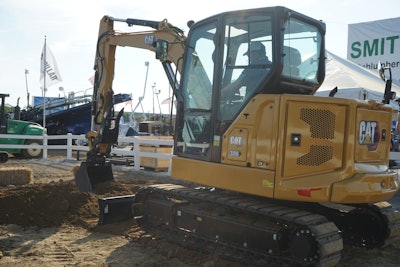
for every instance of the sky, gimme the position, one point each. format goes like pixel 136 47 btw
pixel 70 28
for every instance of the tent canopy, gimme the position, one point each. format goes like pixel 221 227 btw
pixel 353 81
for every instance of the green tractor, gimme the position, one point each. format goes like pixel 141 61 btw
pixel 11 126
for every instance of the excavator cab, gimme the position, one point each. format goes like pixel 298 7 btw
pixel 289 58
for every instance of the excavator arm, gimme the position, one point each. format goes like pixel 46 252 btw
pixel 105 127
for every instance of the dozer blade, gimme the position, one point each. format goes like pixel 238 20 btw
pixel 88 175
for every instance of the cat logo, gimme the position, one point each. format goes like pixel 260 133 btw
pixel 369 134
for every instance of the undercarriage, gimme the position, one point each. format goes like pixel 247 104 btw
pixel 255 230
pixel 259 232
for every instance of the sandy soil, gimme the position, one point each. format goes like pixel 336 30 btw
pixel 50 223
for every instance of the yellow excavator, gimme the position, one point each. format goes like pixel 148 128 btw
pixel 279 176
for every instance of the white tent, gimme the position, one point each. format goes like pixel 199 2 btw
pixel 353 81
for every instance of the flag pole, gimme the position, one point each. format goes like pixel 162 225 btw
pixel 44 82
pixel 26 85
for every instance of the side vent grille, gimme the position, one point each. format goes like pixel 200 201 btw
pixel 322 126
pixel 322 122
pixel 316 156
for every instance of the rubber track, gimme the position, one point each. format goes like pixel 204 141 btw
pixel 376 225
pixel 392 217
pixel 323 231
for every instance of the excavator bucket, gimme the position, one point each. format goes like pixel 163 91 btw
pixel 97 169
pixel 89 174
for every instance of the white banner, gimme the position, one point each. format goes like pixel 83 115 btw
pixel 377 41
pixel 48 66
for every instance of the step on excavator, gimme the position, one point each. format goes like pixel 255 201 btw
pixel 272 173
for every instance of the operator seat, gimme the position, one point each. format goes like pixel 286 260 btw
pixel 291 61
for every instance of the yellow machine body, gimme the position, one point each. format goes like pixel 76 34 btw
pixel 302 148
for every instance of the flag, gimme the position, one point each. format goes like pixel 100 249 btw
pixel 91 80
pixel 166 101
pixel 48 67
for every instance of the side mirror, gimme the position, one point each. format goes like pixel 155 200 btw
pixel 382 71
pixel 388 95
pixel 161 50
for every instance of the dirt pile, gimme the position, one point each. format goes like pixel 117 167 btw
pixel 46 205
pixel 56 203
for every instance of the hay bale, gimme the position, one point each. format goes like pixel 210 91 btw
pixel 15 176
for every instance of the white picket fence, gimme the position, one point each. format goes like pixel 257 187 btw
pixel 131 142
